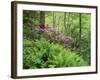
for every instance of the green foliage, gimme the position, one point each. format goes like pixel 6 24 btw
pixel 30 18
pixel 61 57
pixel 43 54
pixel 45 49
pixel 27 43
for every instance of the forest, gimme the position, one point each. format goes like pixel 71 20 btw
pixel 53 39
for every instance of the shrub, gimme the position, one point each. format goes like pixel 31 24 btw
pixel 27 43
pixel 43 54
pixel 61 57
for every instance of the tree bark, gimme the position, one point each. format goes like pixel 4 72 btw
pixel 80 31
pixel 54 19
pixel 42 18
pixel 80 26
pixel 65 26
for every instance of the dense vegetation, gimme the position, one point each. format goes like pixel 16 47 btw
pixel 55 39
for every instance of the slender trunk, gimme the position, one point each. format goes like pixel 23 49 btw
pixel 80 31
pixel 80 26
pixel 33 25
pixel 65 26
pixel 68 25
pixel 54 19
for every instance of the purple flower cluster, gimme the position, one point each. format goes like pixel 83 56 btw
pixel 44 28
pixel 53 33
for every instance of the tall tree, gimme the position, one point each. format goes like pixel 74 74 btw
pixel 69 24
pixel 80 25
pixel 80 31
pixel 54 19
pixel 65 26
pixel 42 18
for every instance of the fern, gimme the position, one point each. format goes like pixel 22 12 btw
pixel 43 54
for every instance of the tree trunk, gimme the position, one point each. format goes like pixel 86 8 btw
pixel 68 25
pixel 80 31
pixel 54 19
pixel 80 26
pixel 42 18
pixel 65 22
